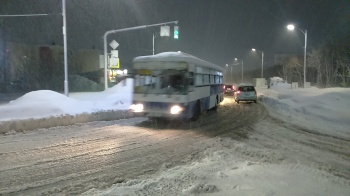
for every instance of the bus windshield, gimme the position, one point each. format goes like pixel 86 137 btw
pixel 162 82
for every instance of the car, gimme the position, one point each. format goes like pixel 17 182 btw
pixel 229 88
pixel 246 93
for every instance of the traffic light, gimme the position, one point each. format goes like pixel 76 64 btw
pixel 176 32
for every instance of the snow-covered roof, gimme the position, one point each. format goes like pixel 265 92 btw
pixel 176 56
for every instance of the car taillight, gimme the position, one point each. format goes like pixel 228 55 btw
pixel 238 92
pixel 224 86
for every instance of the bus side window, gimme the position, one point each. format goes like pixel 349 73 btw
pixel 190 81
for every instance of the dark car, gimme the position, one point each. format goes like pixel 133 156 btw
pixel 229 88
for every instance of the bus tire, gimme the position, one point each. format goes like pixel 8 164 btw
pixel 196 111
pixel 216 103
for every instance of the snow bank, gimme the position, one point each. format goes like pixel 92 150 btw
pixel 45 108
pixel 326 111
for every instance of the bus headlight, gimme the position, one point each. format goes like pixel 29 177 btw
pixel 175 109
pixel 136 107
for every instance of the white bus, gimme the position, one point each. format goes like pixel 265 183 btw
pixel 175 85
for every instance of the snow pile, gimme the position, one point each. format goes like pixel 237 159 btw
pixel 223 172
pixel 44 108
pixel 46 103
pixel 324 110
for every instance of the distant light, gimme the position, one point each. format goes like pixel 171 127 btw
pixel 290 27
pixel 226 65
pixel 236 59
pixel 125 71
pixel 253 49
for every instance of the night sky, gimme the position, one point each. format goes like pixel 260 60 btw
pixel 214 30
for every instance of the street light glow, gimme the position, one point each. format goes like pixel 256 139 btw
pixel 290 27
pixel 236 59
pixel 262 61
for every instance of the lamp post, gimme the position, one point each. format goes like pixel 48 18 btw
pixel 242 66
pixel 262 61
pixel 231 73
pixel 291 28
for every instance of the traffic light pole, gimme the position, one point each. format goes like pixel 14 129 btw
pixel 153 43
pixel 123 30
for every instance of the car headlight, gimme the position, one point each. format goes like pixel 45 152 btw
pixel 175 109
pixel 136 107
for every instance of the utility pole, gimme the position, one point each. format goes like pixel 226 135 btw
pixel 65 48
pixel 262 64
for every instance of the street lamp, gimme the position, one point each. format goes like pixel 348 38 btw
pixel 262 61
pixel 291 28
pixel 231 73
pixel 242 66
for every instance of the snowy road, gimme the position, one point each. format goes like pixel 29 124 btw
pixel 75 159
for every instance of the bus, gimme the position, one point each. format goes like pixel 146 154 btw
pixel 175 85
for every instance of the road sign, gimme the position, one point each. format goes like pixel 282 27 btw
pixel 165 31
pixel 114 44
pixel 114 63
pixel 114 53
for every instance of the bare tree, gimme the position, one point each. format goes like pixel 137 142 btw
pixel 315 60
pixel 343 66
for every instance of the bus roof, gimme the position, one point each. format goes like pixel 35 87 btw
pixel 175 57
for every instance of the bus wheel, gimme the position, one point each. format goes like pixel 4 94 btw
pixel 216 104
pixel 196 111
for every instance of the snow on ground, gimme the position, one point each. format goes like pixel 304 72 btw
pixel 46 103
pixel 221 171
pixel 326 111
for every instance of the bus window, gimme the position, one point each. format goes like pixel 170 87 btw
pixel 190 79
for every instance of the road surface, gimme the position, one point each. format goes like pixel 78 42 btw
pixel 74 159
